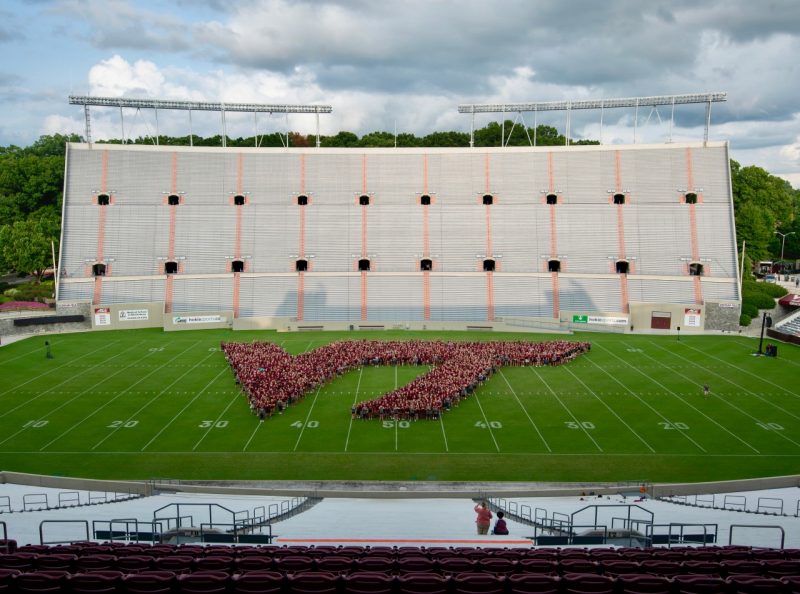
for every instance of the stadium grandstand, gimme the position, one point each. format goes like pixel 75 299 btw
pixel 627 238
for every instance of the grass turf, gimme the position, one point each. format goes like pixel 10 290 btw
pixel 144 404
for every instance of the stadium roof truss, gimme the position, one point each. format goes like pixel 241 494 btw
pixel 602 104
pixel 156 104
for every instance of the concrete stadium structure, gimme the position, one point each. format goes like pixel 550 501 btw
pixel 628 237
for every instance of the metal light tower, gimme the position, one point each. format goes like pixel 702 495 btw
pixel 783 241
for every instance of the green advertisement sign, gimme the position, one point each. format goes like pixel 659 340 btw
pixel 580 319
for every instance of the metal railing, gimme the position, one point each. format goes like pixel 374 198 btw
pixel 83 523
pixel 759 527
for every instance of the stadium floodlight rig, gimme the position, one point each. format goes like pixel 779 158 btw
pixel 601 104
pixel 156 104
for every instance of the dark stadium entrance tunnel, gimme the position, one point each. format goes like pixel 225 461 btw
pixel 691 198
pixel 363 265
pixel 238 200
pixel 622 266
pixel 554 266
pixel 170 267
pixel 302 200
pixel 237 266
pixel 619 198
pixel 696 269
pixel 552 199
pixel 103 199
pixel 173 200
pixel 426 265
pixel 488 265
pixel 425 200
pixel 301 265
pixel 363 200
pixel 98 269
pixel 488 199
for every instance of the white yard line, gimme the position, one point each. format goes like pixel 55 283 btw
pixel 569 412
pixel 308 416
pixel 611 410
pixel 536 428
pixel 648 405
pixel 180 412
pixel 444 435
pixel 486 420
pixel 355 399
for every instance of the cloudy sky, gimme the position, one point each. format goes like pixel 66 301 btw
pixel 409 63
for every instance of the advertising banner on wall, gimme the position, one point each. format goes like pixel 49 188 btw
pixel 133 315
pixel 102 316
pixel 691 317
pixel 198 319
pixel 608 320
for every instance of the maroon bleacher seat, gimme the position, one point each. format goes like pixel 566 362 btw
pixel 699 584
pixel 7 579
pixel 253 563
pixel 135 563
pixel 258 582
pixel 455 565
pixel 312 582
pixel 660 567
pixel 603 554
pixel 573 553
pixel 497 565
pixel 203 582
pixel 368 582
pixel 754 584
pixel 587 583
pixel 95 562
pixel 477 583
pixel 24 561
pixel 40 582
pixel 779 568
pixel 615 567
pixel 792 583
pixel 427 582
pixel 515 554
pixel 538 565
pixel 382 564
pixel 533 583
pixel 667 554
pixel 95 582
pixel 213 563
pixel 8 545
pixel 335 563
pixel 411 564
pixel 174 563
pixel 578 565
pixel 741 567
pixel 697 567
pixel 63 561
pixel 294 563
pixel 149 582
pixel 643 584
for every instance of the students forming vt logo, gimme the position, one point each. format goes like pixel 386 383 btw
pixel 273 379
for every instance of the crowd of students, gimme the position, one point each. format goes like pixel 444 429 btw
pixel 273 379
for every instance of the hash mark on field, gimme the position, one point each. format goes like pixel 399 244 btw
pixel 355 399
pixel 690 405
pixel 488 424
pixel 539 433
pixel 611 410
pixel 569 412
pixel 744 412
pixel 308 416
pixel 180 412
pixel 648 405
pixel 149 402
pixel 15 388
pixel 105 404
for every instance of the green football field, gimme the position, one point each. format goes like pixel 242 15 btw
pixel 148 404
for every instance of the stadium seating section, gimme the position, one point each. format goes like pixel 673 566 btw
pixel 116 567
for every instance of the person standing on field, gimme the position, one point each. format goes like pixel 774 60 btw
pixel 706 390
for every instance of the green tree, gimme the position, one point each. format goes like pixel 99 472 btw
pixel 26 245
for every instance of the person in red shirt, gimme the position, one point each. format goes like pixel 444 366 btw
pixel 484 519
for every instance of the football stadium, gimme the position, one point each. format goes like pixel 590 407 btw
pixel 250 344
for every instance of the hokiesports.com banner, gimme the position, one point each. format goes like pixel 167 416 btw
pixel 578 319
pixel 198 319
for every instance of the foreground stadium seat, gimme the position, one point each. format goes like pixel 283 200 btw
pixel 659 567
pixel 203 582
pixel 587 583
pixel 96 582
pixel 174 563
pixel 149 582
pixel 779 568
pixel 368 582
pixel 7 579
pixel 312 582
pixel 216 562
pixel 64 562
pixel 40 582
pixel 422 583
pixel 258 582
pixel 643 584
pixel 95 562
pixel 19 560
pixel 253 563
pixel 533 583
pixel 741 567
pixel 477 583
pixel 497 565
pixel 335 564
pixel 755 584
pixel 615 567
pixel 699 584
